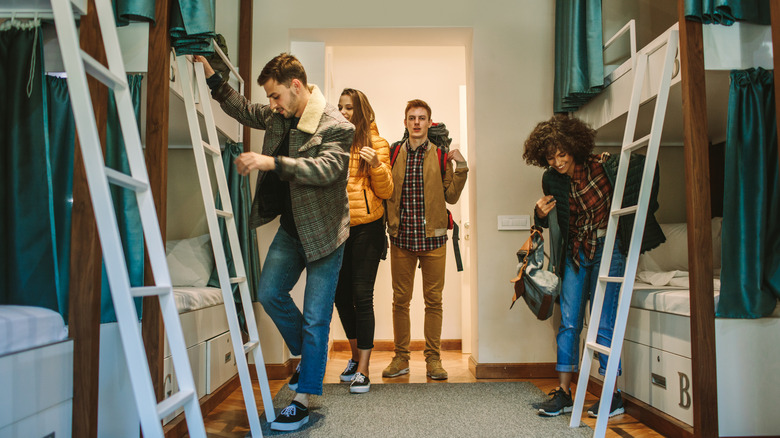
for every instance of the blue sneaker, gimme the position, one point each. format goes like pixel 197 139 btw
pixel 616 408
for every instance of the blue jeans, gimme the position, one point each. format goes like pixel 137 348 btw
pixel 578 286
pixel 306 334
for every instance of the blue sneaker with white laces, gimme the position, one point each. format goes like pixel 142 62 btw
pixel 291 418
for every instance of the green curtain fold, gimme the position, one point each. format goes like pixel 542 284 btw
pixel 579 55
pixel 127 11
pixel 241 200
pixel 28 256
pixel 750 275
pixel 128 218
pixel 192 26
pixel 727 12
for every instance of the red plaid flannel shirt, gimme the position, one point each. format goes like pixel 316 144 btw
pixel 589 202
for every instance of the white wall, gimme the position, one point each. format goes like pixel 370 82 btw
pixel 390 76
pixel 510 79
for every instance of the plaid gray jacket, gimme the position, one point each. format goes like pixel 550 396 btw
pixel 317 168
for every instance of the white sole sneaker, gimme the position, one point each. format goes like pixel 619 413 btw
pixel 348 378
pixel 362 389
pixel 287 427
pixel 399 373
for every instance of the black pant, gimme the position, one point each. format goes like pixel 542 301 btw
pixel 355 290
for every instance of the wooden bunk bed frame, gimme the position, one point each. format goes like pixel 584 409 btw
pixel 85 279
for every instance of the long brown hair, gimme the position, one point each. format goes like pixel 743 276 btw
pixel 362 117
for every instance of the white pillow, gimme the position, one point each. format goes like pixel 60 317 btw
pixel 190 261
pixel 672 255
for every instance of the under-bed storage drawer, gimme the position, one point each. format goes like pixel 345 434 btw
pixel 54 422
pixel 658 378
pixel 201 325
pixel 221 362
pixel 197 357
pixel 664 331
pixel 34 380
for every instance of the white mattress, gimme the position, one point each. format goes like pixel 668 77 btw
pixel 25 327
pixel 194 298
pixel 672 297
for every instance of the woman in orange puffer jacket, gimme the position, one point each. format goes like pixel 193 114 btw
pixel 370 182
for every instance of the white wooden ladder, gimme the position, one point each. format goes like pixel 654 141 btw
pixel 77 64
pixel 652 141
pixel 211 148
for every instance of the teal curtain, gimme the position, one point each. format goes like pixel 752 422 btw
pixel 128 218
pixel 62 134
pixel 579 56
pixel 29 269
pixel 192 25
pixel 726 12
pixel 241 199
pixel 750 274
pixel 127 11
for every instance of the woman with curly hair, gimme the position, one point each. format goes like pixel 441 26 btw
pixel 370 182
pixel 580 183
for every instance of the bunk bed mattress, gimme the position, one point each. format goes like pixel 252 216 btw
pixel 26 327
pixel 189 299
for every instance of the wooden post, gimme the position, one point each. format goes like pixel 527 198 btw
pixel 697 183
pixel 775 15
pixel 157 100
pixel 85 256
pixel 245 59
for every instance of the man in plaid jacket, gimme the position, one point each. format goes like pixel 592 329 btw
pixel 302 177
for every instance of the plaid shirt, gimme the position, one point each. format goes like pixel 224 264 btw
pixel 589 201
pixel 411 228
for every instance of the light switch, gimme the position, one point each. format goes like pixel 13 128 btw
pixel 514 222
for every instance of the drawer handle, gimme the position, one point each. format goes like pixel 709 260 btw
pixel 227 357
pixel 657 380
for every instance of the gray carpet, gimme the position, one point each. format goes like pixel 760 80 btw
pixel 500 409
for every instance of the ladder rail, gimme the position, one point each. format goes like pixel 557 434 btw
pixel 640 218
pixel 97 176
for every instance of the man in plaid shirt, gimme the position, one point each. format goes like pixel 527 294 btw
pixel 417 222
pixel 302 178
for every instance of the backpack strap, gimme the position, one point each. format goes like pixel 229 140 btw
pixel 394 150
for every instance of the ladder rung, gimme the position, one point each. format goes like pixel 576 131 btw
pixel 149 291
pixel 210 149
pixel 612 279
pixel 101 73
pixel 223 213
pixel 126 181
pixel 598 347
pixel 170 404
pixel 637 144
pixel 234 280
pixel 625 211
pixel 249 346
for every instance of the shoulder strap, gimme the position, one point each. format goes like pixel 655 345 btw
pixel 394 150
pixel 442 161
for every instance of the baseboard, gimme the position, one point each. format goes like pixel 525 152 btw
pixel 653 418
pixel 389 345
pixel 280 371
pixel 178 426
pixel 543 370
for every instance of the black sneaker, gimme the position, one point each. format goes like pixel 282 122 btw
pixel 291 418
pixel 360 384
pixel 558 404
pixel 349 371
pixel 293 383
pixel 616 408
pixel 537 405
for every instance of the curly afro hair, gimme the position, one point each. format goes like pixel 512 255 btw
pixel 561 132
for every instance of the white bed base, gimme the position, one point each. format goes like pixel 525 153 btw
pixel 37 391
pixel 657 369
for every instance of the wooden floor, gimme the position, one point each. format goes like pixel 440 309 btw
pixel 229 418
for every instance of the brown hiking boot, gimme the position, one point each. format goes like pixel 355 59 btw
pixel 435 370
pixel 396 368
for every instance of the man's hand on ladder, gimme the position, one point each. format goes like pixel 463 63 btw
pixel 206 66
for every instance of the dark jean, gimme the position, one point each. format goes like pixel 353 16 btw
pixel 579 285
pixel 306 334
pixel 355 290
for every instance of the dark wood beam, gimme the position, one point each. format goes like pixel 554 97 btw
pixel 698 209
pixel 775 15
pixel 157 100
pixel 245 58
pixel 85 257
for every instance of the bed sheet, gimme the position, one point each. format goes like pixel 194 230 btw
pixel 25 327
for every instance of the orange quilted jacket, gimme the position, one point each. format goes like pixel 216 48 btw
pixel 367 192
